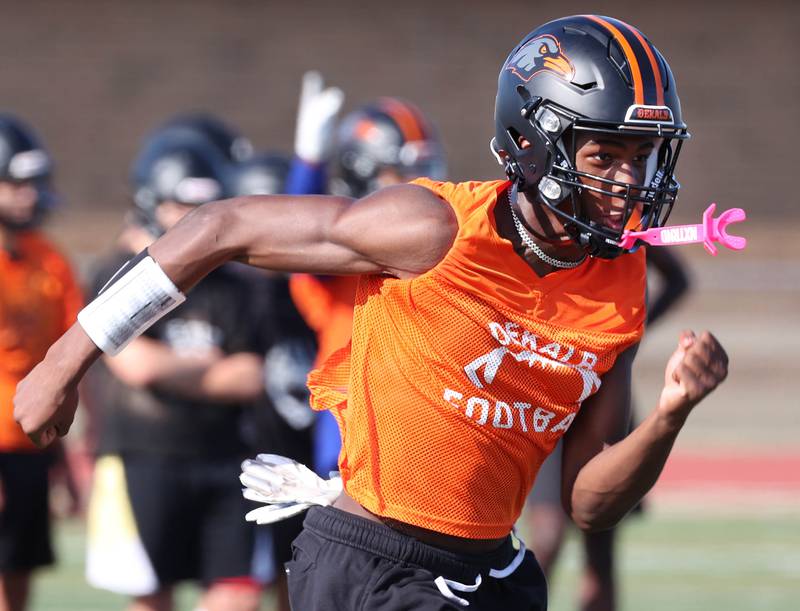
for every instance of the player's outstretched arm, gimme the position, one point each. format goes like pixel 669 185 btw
pixel 401 231
pixel 601 482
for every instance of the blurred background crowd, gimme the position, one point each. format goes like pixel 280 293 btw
pixel 118 118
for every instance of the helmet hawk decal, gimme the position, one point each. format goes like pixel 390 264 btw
pixel 539 54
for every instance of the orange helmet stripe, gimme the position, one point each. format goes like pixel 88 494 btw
pixel 653 63
pixel 402 114
pixel 630 56
pixel 363 128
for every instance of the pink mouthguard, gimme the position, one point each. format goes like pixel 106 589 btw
pixel 709 231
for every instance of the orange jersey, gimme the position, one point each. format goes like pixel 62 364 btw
pixel 326 305
pixel 458 383
pixel 39 300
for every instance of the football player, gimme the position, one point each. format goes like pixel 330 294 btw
pixel 164 505
pixel 491 320
pixel 39 299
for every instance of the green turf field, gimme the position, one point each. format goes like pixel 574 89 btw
pixel 709 564
pixel 667 563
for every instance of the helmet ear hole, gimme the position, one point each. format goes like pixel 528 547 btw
pixel 516 138
pixel 523 93
pixel 529 102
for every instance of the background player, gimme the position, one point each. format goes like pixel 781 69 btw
pixel 282 420
pixel 39 299
pixel 172 406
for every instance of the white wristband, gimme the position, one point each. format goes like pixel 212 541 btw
pixel 127 306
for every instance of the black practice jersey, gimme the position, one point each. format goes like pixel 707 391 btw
pixel 282 422
pixel 227 311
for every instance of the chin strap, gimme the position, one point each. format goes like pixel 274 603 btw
pixel 529 241
pixel 709 231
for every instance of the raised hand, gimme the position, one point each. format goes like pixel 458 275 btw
pixel 316 118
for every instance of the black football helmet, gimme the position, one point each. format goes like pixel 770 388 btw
pixel 388 133
pixel 23 159
pixel 179 167
pixel 230 142
pixel 262 174
pixel 595 74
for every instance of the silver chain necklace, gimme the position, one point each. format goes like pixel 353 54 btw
pixel 528 241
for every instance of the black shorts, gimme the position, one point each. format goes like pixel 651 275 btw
pixel 190 517
pixel 274 547
pixel 283 535
pixel 345 562
pixel 25 541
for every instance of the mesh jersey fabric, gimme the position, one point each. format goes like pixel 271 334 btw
pixel 39 300
pixel 326 304
pixel 459 382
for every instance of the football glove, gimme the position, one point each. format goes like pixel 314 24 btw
pixel 285 486
pixel 316 119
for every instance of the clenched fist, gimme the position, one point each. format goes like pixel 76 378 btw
pixel 46 399
pixel 697 367
pixel 43 407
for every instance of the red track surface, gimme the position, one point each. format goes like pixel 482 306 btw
pixel 779 472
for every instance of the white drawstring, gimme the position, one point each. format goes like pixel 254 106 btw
pixel 502 573
pixel 444 586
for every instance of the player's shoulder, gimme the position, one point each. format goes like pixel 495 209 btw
pixel 468 200
pixel 470 188
pixel 36 245
pixel 405 229
pixel 410 203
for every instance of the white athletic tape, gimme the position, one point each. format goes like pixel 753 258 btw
pixel 129 305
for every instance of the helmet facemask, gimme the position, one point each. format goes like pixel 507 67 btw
pixel 563 189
